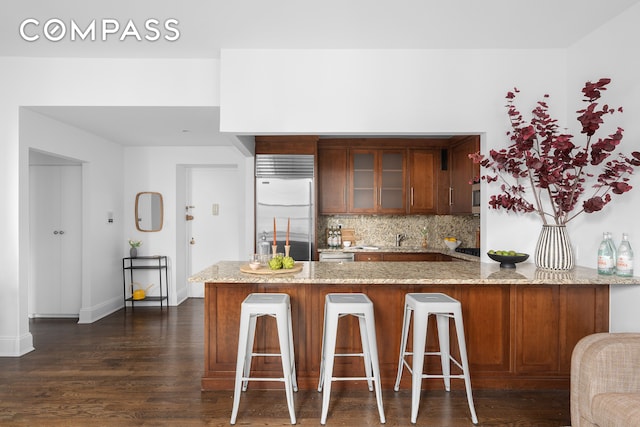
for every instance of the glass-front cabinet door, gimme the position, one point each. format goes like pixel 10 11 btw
pixel 391 192
pixel 363 189
pixel 377 181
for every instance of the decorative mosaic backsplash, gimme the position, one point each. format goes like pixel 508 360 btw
pixel 381 230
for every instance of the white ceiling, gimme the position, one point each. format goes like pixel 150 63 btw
pixel 145 126
pixel 206 26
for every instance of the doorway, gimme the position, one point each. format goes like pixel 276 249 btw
pixel 214 198
pixel 55 222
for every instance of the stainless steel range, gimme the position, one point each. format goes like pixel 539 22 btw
pixel 469 251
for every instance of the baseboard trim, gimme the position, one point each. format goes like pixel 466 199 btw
pixel 16 346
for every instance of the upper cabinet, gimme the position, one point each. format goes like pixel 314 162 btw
pixel 377 178
pixel 396 176
pixel 332 179
pixel 462 174
pixel 423 181
pixel 285 144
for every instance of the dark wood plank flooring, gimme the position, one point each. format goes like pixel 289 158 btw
pixel 143 368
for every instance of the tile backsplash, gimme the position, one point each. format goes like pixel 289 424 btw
pixel 381 230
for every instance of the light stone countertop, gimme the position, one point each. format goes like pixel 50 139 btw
pixel 427 273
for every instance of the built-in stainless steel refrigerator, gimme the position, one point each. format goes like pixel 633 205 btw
pixel 284 191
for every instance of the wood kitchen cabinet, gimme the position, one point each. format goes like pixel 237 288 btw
pixel 462 172
pixel 367 256
pixel 518 336
pixel 542 311
pixel 401 256
pixel 285 144
pixel 384 176
pixel 332 180
pixel 423 181
pixel 377 181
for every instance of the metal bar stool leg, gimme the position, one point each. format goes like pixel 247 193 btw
pixel 445 354
pixel 365 350
pixel 249 353
pixel 322 352
pixel 329 350
pixel 294 378
pixel 465 363
pixel 420 322
pixel 372 348
pixel 240 366
pixel 285 351
pixel 403 345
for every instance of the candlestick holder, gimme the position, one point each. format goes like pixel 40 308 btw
pixel 274 249
pixel 286 250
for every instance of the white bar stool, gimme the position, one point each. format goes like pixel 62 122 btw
pixel 444 308
pixel 335 307
pixel 254 306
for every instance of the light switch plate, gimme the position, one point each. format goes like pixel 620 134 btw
pixel 215 209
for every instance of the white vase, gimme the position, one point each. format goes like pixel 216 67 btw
pixel 553 251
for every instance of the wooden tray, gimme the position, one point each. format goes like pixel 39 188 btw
pixel 347 234
pixel 297 267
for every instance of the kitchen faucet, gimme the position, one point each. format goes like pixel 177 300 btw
pixel 400 238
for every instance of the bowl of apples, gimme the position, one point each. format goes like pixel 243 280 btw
pixel 507 259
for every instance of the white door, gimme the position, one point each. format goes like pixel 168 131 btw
pixel 55 273
pixel 216 196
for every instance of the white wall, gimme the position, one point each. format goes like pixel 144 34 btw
pixel 102 183
pixel 612 51
pixel 76 82
pixel 157 169
pixel 380 91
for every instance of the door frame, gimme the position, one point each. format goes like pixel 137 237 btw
pixel 59 160
pixel 183 192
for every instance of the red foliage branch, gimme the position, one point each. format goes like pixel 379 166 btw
pixel 544 163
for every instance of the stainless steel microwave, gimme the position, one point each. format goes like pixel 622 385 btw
pixel 475 198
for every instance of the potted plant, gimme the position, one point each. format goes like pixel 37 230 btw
pixel 543 171
pixel 134 245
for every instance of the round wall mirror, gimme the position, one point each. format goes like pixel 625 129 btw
pixel 149 211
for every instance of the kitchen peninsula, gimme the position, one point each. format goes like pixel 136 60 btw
pixel 521 324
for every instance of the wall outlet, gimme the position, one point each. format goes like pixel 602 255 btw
pixel 215 209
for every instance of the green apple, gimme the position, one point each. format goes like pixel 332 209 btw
pixel 287 262
pixel 275 263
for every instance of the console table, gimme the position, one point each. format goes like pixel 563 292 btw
pixel 157 262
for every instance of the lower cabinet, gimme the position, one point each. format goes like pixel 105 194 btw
pixel 367 256
pixel 517 336
pixel 400 256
